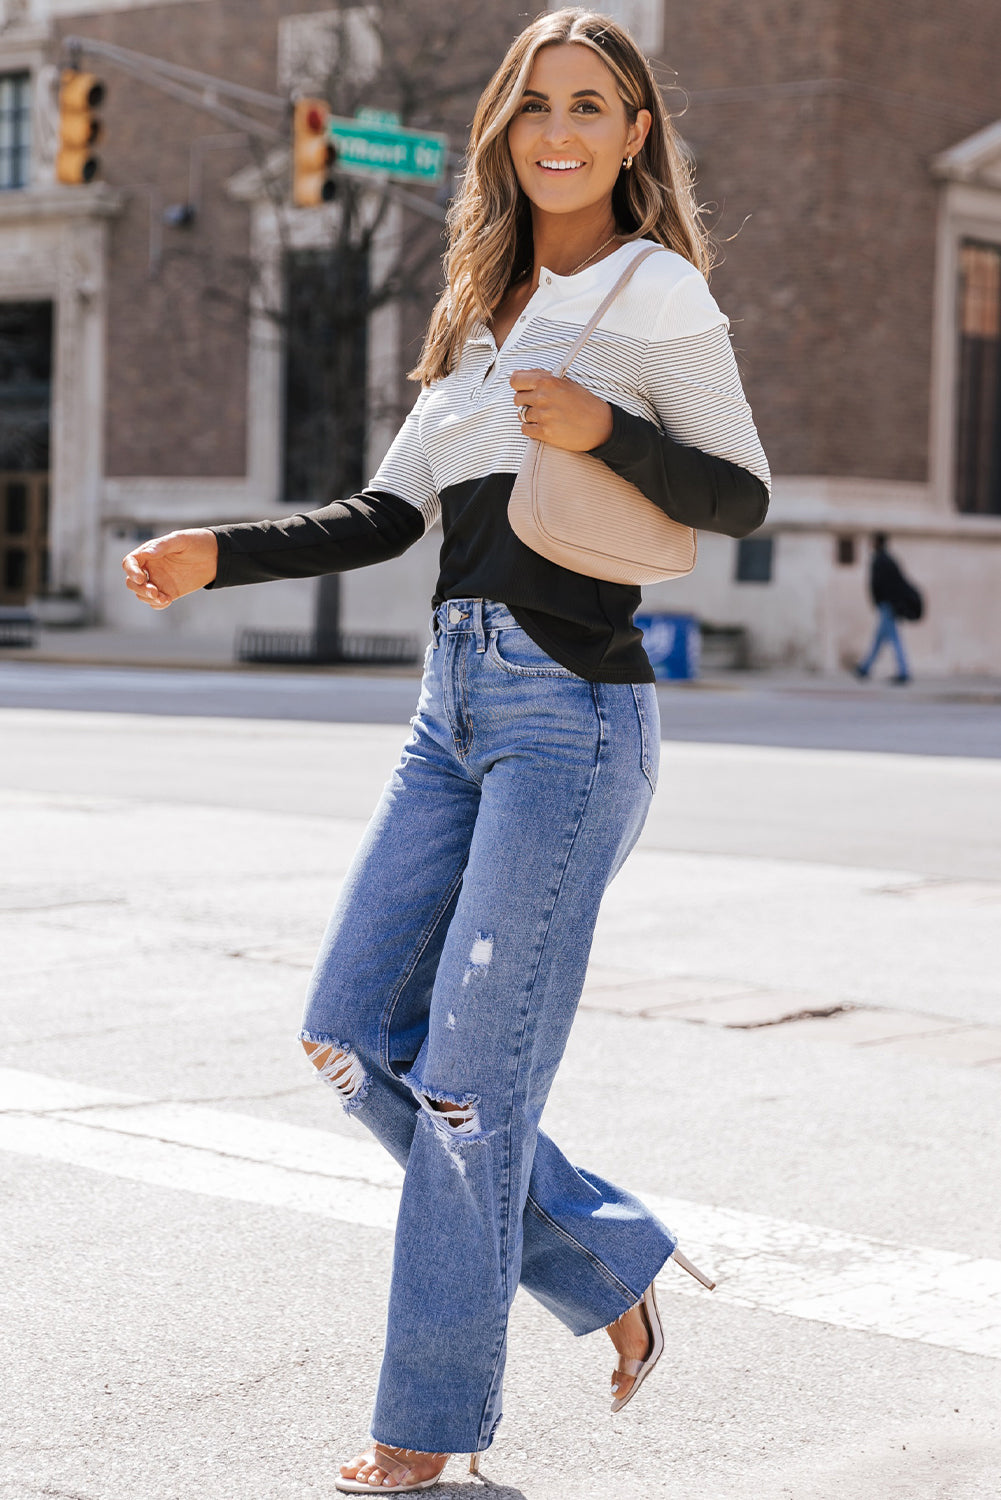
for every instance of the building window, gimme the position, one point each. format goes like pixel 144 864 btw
pixel 755 555
pixel 978 420
pixel 845 551
pixel 15 130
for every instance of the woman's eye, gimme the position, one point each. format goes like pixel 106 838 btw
pixel 535 106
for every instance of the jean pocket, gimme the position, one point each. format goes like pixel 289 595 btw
pixel 513 650
pixel 648 714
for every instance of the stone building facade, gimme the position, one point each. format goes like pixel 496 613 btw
pixel 851 156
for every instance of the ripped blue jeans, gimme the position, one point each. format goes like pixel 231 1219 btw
pixel 444 993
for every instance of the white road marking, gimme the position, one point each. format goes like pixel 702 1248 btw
pixel 800 1270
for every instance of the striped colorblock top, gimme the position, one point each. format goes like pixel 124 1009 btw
pixel 682 432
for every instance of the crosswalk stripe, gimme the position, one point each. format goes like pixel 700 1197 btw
pixel 800 1270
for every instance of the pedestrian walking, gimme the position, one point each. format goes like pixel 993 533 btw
pixel 895 598
pixel 446 984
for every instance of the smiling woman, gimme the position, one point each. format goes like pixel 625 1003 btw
pixel 446 985
pixel 574 97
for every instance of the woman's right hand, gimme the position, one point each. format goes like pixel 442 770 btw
pixel 171 566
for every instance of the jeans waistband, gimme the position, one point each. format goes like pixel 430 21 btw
pixel 471 616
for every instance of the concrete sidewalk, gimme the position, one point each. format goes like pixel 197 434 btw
pixel 101 646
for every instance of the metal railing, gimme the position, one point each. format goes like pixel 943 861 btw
pixel 303 648
pixel 18 627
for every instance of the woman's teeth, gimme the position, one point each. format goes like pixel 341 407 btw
pixel 560 166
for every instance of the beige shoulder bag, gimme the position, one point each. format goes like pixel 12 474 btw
pixel 574 510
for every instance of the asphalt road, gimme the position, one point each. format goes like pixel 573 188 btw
pixel 196 1243
pixel 749 710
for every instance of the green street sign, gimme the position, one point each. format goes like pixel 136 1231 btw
pixel 387 150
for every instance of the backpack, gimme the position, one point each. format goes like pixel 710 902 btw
pixel 909 605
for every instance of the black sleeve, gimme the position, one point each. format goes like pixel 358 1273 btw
pixel 688 485
pixel 370 527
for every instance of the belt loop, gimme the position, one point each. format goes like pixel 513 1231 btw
pixel 435 630
pixel 481 639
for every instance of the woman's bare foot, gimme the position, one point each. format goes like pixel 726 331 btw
pixel 380 1465
pixel 633 1339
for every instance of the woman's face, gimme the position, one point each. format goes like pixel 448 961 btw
pixel 570 133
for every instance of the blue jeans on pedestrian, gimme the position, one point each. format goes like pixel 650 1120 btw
pixel 887 634
pixel 449 977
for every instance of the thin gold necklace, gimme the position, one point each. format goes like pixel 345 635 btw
pixel 516 281
pixel 605 246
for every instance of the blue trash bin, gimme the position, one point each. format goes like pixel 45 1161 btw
pixel 672 643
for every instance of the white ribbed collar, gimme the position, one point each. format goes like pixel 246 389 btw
pixel 553 287
pixel 596 277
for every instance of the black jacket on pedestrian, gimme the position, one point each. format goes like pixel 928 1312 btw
pixel 887 585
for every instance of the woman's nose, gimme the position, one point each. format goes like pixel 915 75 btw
pixel 558 128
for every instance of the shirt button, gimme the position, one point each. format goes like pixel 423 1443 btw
pixel 523 317
pixel 549 281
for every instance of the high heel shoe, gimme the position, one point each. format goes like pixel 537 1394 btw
pixel 639 1369
pixel 393 1463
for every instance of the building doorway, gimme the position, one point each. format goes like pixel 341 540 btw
pixel 25 415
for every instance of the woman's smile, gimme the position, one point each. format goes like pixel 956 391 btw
pixel 554 164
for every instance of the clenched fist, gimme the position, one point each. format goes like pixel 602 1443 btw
pixel 171 566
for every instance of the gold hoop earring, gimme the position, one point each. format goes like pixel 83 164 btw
pixel 627 163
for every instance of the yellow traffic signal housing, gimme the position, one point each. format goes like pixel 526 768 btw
pixel 80 96
pixel 313 154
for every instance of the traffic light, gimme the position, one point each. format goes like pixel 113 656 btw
pixel 313 155
pixel 80 96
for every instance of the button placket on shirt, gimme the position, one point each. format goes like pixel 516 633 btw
pixel 489 376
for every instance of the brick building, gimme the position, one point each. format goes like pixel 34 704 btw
pixel 853 155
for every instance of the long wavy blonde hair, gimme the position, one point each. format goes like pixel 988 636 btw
pixel 490 222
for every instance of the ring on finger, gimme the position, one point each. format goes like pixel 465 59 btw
pixel 523 412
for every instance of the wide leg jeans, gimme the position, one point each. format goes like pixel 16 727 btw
pixel 887 634
pixel 449 977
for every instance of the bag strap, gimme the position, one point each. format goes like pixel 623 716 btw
pixel 589 327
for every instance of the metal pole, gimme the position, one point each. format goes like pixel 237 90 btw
pixel 200 90
pixel 142 62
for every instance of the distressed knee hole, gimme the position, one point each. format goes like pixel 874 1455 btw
pixel 456 1123
pixel 458 1119
pixel 342 1070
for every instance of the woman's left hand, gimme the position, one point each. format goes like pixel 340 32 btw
pixel 560 412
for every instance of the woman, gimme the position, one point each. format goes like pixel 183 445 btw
pixel 441 1001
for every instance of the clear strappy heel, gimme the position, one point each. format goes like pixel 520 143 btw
pixel 394 1464
pixel 639 1369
